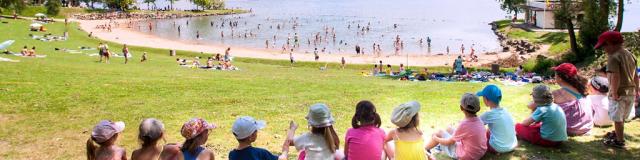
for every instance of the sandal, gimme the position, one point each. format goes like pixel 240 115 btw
pixel 614 143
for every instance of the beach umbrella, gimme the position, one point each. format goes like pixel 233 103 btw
pixel 40 15
pixel 6 44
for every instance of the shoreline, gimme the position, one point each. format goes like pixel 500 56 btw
pixel 123 35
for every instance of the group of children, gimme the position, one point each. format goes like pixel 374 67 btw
pixel 105 53
pixel 28 52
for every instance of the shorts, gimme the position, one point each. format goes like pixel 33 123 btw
pixel 489 148
pixel 619 110
pixel 532 135
pixel 450 150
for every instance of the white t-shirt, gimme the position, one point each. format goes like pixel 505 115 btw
pixel 600 106
pixel 314 145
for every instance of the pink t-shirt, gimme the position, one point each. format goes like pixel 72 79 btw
pixel 471 139
pixel 365 143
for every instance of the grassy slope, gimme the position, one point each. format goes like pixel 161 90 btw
pixel 48 105
pixel 68 11
pixel 559 41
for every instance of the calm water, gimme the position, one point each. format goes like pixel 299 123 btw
pixel 447 23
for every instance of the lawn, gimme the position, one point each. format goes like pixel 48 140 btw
pixel 30 11
pixel 559 41
pixel 49 105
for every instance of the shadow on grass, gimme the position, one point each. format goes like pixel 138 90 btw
pixel 554 38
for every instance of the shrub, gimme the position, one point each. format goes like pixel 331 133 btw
pixel 53 7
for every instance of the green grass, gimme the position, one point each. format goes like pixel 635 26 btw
pixel 30 11
pixel 558 41
pixel 49 105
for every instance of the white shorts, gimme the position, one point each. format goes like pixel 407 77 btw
pixel 619 110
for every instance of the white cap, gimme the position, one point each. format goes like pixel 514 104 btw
pixel 245 126
pixel 319 116
pixel 106 129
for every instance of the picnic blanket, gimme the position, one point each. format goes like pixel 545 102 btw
pixel 2 59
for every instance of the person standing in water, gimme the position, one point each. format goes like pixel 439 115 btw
pixel 462 49
pixel 315 53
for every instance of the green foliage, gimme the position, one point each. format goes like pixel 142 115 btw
pixel 16 5
pixel 209 4
pixel 53 7
pixel 541 65
pixel 512 6
pixel 591 26
pixel 632 42
pixel 148 2
pixel 122 5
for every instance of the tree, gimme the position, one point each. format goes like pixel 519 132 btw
pixel 511 6
pixel 620 14
pixel 53 7
pixel 150 1
pixel 205 4
pixel 171 4
pixel 564 15
pixel 594 22
pixel 119 4
pixel 16 5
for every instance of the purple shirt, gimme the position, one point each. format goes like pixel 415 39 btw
pixel 365 143
pixel 579 117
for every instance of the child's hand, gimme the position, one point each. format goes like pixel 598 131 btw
pixel 532 105
pixel 293 125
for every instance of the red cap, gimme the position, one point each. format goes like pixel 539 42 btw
pixel 567 69
pixel 612 37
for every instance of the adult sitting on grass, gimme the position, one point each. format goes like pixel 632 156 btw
pixel 25 51
pixel 105 134
pixel 150 132
pixel 322 142
pixel 245 129
pixel 502 133
pixel 468 141
pixel 196 133
pixel 547 125
pixel 32 52
pixel 571 99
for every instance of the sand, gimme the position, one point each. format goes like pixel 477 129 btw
pixel 130 37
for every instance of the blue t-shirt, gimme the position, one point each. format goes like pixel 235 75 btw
pixel 251 153
pixel 503 134
pixel 554 124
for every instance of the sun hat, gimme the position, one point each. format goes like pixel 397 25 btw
pixel 151 128
pixel 470 103
pixel 194 127
pixel 245 126
pixel 601 84
pixel 402 115
pixel 566 69
pixel 612 37
pixel 319 116
pixel 492 93
pixel 106 129
pixel 542 95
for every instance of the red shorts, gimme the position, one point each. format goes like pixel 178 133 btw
pixel 532 135
pixel 489 148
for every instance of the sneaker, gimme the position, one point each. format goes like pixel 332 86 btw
pixel 609 135
pixel 614 143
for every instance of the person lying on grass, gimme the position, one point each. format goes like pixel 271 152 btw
pixel 547 125
pixel 245 129
pixel 105 134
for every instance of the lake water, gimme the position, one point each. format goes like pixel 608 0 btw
pixel 355 22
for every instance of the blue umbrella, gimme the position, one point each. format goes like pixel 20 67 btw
pixel 6 44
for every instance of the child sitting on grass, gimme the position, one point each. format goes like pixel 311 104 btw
pixel 150 132
pixel 365 140
pixel 105 134
pixel 468 140
pixel 547 125
pixel 502 133
pixel 196 134
pixel 322 142
pixel 598 88
pixel 245 129
pixel 407 138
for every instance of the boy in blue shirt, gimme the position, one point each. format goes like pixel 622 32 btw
pixel 547 125
pixel 245 129
pixel 502 134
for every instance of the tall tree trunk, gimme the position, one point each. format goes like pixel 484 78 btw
pixel 604 10
pixel 572 37
pixel 620 14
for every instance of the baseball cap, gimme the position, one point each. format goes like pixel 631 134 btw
pixel 245 126
pixel 470 103
pixel 402 115
pixel 150 128
pixel 566 69
pixel 319 116
pixel 609 36
pixel 601 84
pixel 194 127
pixel 492 93
pixel 106 129
pixel 542 95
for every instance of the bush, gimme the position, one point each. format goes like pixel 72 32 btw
pixel 53 7
pixel 632 42
pixel 541 65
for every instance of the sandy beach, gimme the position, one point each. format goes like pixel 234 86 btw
pixel 127 36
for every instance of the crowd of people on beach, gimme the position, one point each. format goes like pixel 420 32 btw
pixel 223 62
pixel 573 110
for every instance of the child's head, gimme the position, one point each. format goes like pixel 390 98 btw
pixel 150 131
pixel 470 104
pixel 365 115
pixel 245 129
pixel 321 122
pixel 491 95
pixel 542 95
pixel 388 66
pixel 599 85
pixel 196 133
pixel 105 133
pixel 405 116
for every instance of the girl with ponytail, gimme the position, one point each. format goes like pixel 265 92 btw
pixel 365 140
pixel 571 98
pixel 322 143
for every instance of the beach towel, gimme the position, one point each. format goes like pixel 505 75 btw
pixel 2 59
pixel 37 56
pixel 122 55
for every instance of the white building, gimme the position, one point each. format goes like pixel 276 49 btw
pixel 540 14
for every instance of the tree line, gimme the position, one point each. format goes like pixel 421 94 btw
pixel 53 6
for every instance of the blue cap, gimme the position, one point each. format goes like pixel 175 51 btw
pixel 492 93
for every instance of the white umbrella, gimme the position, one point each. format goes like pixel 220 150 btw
pixel 6 44
pixel 40 15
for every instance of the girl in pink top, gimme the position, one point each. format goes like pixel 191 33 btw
pixel 365 140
